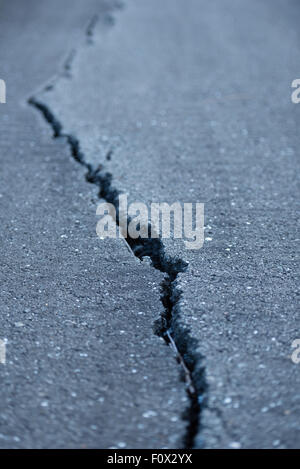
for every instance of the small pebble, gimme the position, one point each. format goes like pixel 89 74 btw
pixel 149 413
pixel 19 324
pixel 235 445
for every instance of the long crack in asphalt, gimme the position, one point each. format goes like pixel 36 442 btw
pixel 168 327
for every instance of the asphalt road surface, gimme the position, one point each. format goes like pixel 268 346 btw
pixel 164 101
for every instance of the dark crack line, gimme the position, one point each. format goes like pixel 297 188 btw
pixel 91 27
pixel 167 326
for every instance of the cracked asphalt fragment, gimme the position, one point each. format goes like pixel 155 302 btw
pixel 84 368
pixel 208 99
pixel 168 325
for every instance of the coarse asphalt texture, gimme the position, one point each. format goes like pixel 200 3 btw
pixel 169 101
